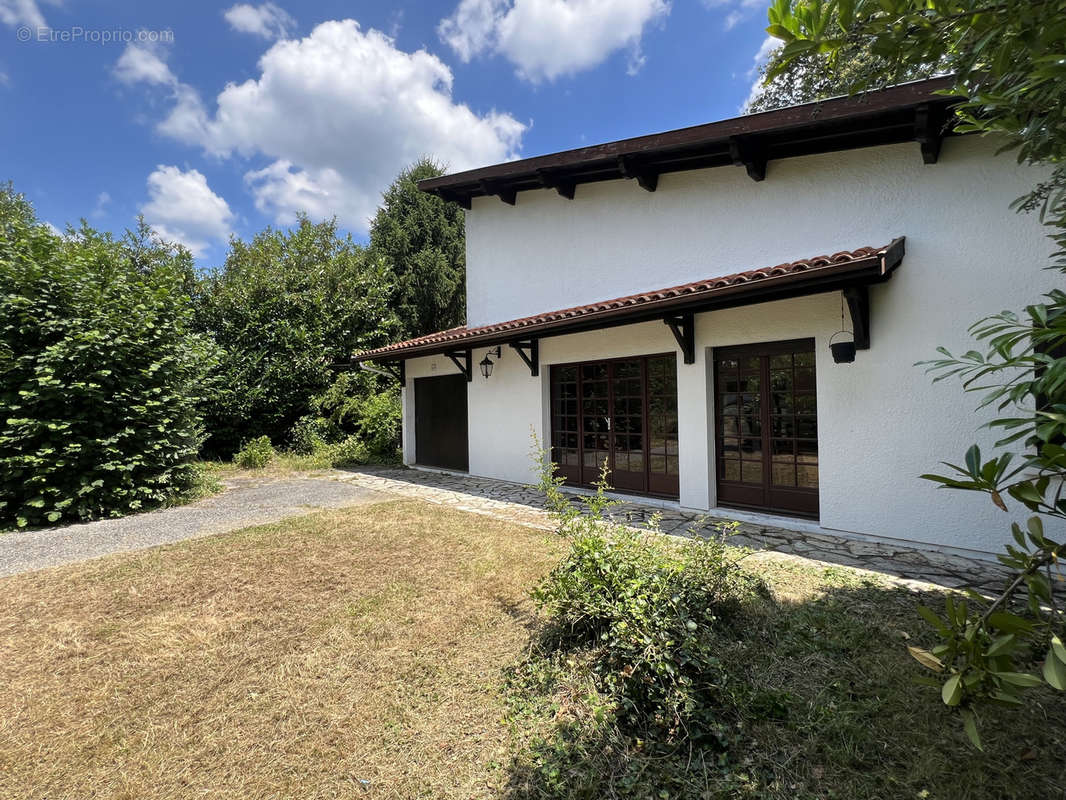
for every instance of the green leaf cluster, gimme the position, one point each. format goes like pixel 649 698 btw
pixel 1008 59
pixel 650 609
pixel 100 371
pixel 420 240
pixel 287 311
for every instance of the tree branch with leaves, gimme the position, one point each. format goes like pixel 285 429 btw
pixel 1008 60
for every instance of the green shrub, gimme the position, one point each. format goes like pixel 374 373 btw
pixel 378 421
pixel 256 454
pixel 649 609
pixel 349 451
pixel 312 434
pixel 286 309
pixel 356 404
pixel 100 374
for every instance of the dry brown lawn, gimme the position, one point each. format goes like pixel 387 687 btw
pixel 346 654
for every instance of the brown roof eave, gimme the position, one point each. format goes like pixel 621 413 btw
pixel 874 268
pixel 884 114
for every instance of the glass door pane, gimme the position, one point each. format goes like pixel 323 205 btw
pixel 662 421
pixel 627 425
pixel 766 427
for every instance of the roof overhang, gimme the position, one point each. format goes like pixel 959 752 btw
pixel 911 112
pixel 841 271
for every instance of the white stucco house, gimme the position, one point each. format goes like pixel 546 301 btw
pixel 668 303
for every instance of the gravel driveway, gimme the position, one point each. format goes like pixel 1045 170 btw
pixel 245 503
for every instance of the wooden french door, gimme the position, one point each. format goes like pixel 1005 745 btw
pixel 623 411
pixel 767 427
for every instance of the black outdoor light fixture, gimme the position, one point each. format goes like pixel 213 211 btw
pixel 486 362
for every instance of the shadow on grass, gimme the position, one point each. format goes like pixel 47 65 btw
pixel 815 699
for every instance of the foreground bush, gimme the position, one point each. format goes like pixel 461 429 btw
pixel 648 609
pixel 99 372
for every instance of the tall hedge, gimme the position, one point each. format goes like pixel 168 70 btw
pixel 100 373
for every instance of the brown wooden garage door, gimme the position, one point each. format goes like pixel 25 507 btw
pixel 767 427
pixel 440 422
pixel 623 410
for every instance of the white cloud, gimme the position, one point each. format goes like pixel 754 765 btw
pixel 338 114
pixel 547 39
pixel 181 207
pixel 103 200
pixel 21 12
pixel 53 229
pixel 737 11
pixel 268 20
pixel 143 63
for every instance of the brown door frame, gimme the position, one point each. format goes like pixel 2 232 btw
pixel 792 501
pixel 581 479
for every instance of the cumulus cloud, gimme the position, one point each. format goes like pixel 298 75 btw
pixel 21 12
pixel 338 114
pixel 547 39
pixel 268 20
pixel 181 207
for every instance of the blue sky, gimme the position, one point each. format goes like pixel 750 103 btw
pixel 219 119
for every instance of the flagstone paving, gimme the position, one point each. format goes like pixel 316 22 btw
pixel 525 505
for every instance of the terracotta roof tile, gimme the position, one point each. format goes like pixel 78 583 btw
pixel 647 300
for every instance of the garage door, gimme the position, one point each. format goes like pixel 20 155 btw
pixel 440 422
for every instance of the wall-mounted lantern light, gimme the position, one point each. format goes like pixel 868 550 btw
pixel 843 350
pixel 486 362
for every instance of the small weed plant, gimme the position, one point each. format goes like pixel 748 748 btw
pixel 255 454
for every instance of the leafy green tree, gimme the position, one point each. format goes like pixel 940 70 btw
pixel 1008 60
pixel 806 79
pixel 421 241
pixel 100 373
pixel 286 308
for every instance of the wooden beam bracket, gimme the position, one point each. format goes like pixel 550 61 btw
pixel 683 326
pixel 565 188
pixel 509 196
pixel 451 197
pixel 858 299
pixel 647 179
pixel 464 360
pixel 749 154
pixel 529 351
pixel 929 131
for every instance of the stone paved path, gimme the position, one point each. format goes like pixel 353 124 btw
pixel 524 505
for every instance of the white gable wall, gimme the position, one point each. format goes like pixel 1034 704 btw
pixel 881 420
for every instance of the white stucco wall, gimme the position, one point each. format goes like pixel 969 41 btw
pixel 881 420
